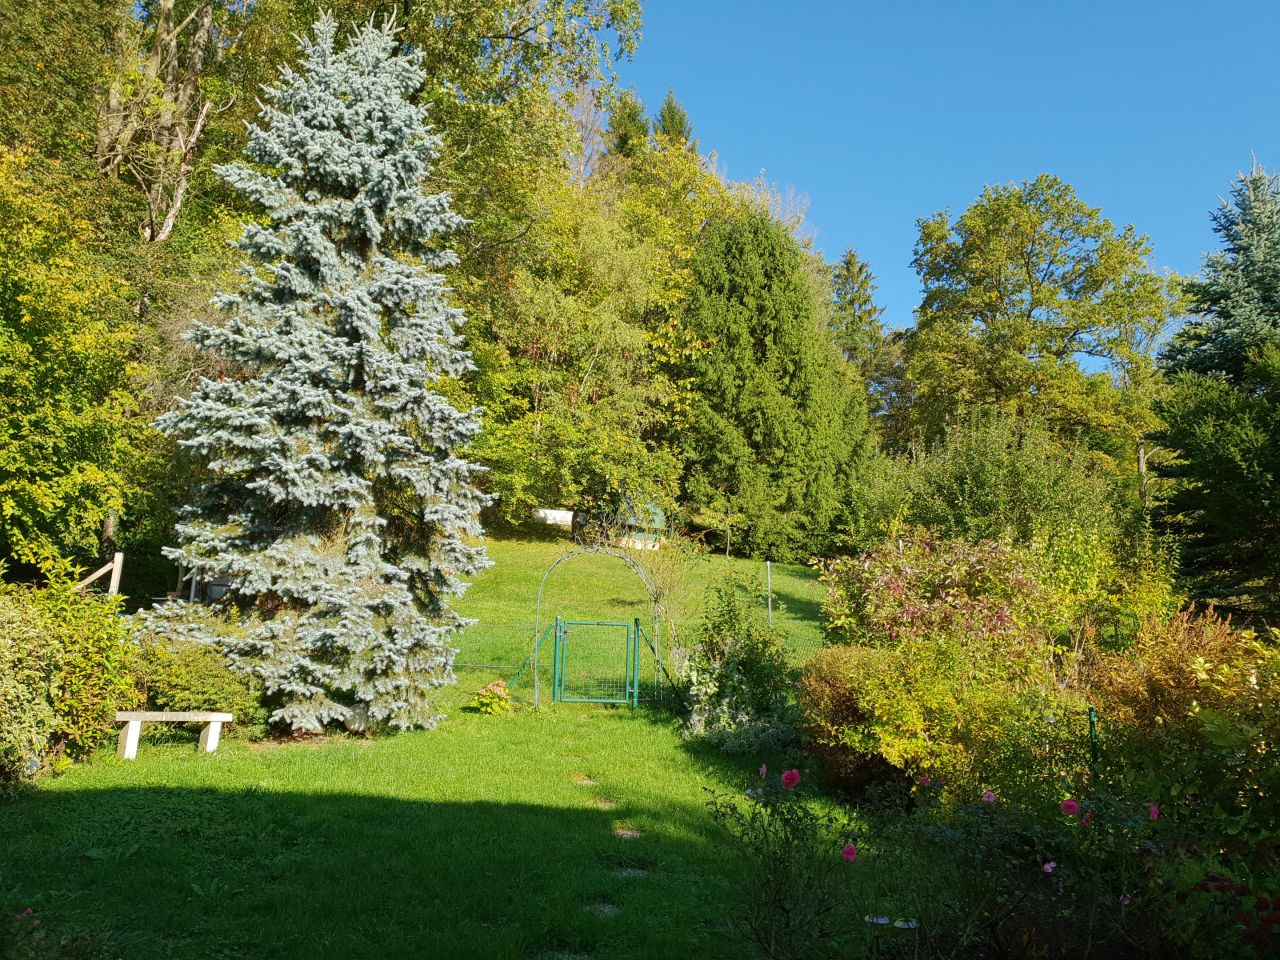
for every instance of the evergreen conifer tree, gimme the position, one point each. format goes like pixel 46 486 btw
pixel 1236 302
pixel 856 326
pixel 332 495
pixel 672 120
pixel 628 132
pixel 1223 410
pixel 778 431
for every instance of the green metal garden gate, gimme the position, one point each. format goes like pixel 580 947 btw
pixel 596 661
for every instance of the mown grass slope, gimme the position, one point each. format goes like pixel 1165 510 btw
pixel 572 831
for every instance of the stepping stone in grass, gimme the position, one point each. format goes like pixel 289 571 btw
pixel 606 803
pixel 630 873
pixel 604 908
pixel 583 780
pixel 620 829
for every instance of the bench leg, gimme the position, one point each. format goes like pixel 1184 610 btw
pixel 127 749
pixel 210 736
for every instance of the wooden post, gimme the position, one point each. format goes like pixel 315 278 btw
pixel 117 568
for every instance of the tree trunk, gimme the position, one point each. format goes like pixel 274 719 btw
pixel 153 115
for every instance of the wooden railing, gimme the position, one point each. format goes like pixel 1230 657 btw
pixel 115 568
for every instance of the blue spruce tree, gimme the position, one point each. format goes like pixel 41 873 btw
pixel 332 496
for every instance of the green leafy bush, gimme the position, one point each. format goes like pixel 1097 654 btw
pixel 957 670
pixel 65 669
pixel 835 718
pixel 29 665
pixel 882 715
pixel 737 675
pixel 493 699
pixel 995 477
pixel 176 674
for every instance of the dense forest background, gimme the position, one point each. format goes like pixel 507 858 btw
pixel 644 330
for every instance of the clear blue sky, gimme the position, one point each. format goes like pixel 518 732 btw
pixel 883 112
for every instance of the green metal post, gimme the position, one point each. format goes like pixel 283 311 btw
pixel 1093 735
pixel 557 680
pixel 627 658
pixel 635 661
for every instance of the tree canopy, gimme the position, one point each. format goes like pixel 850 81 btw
pixel 1032 300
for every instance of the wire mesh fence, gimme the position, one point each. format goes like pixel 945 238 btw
pixel 599 588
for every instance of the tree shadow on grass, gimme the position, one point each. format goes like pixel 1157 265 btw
pixel 799 607
pixel 194 873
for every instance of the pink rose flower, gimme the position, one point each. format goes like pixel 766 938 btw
pixel 1125 899
pixel 763 770
pixel 1050 866
pixel 1069 806
pixel 850 852
pixel 1153 812
pixel 988 797
pixel 790 779
pixel 925 781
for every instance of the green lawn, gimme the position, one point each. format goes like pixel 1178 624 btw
pixel 574 831
pixel 595 587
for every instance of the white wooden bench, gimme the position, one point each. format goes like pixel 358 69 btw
pixel 133 720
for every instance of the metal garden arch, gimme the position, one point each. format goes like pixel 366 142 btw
pixel 540 635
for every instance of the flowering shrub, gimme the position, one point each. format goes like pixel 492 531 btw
pixel 1192 722
pixel 799 898
pixel 920 587
pixel 737 676
pixel 494 699
pixel 985 877
pixel 971 674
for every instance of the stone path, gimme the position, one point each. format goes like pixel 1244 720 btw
pixel 626 867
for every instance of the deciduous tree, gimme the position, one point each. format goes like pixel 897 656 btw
pixel 1032 299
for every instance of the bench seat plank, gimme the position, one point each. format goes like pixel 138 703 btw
pixel 181 716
